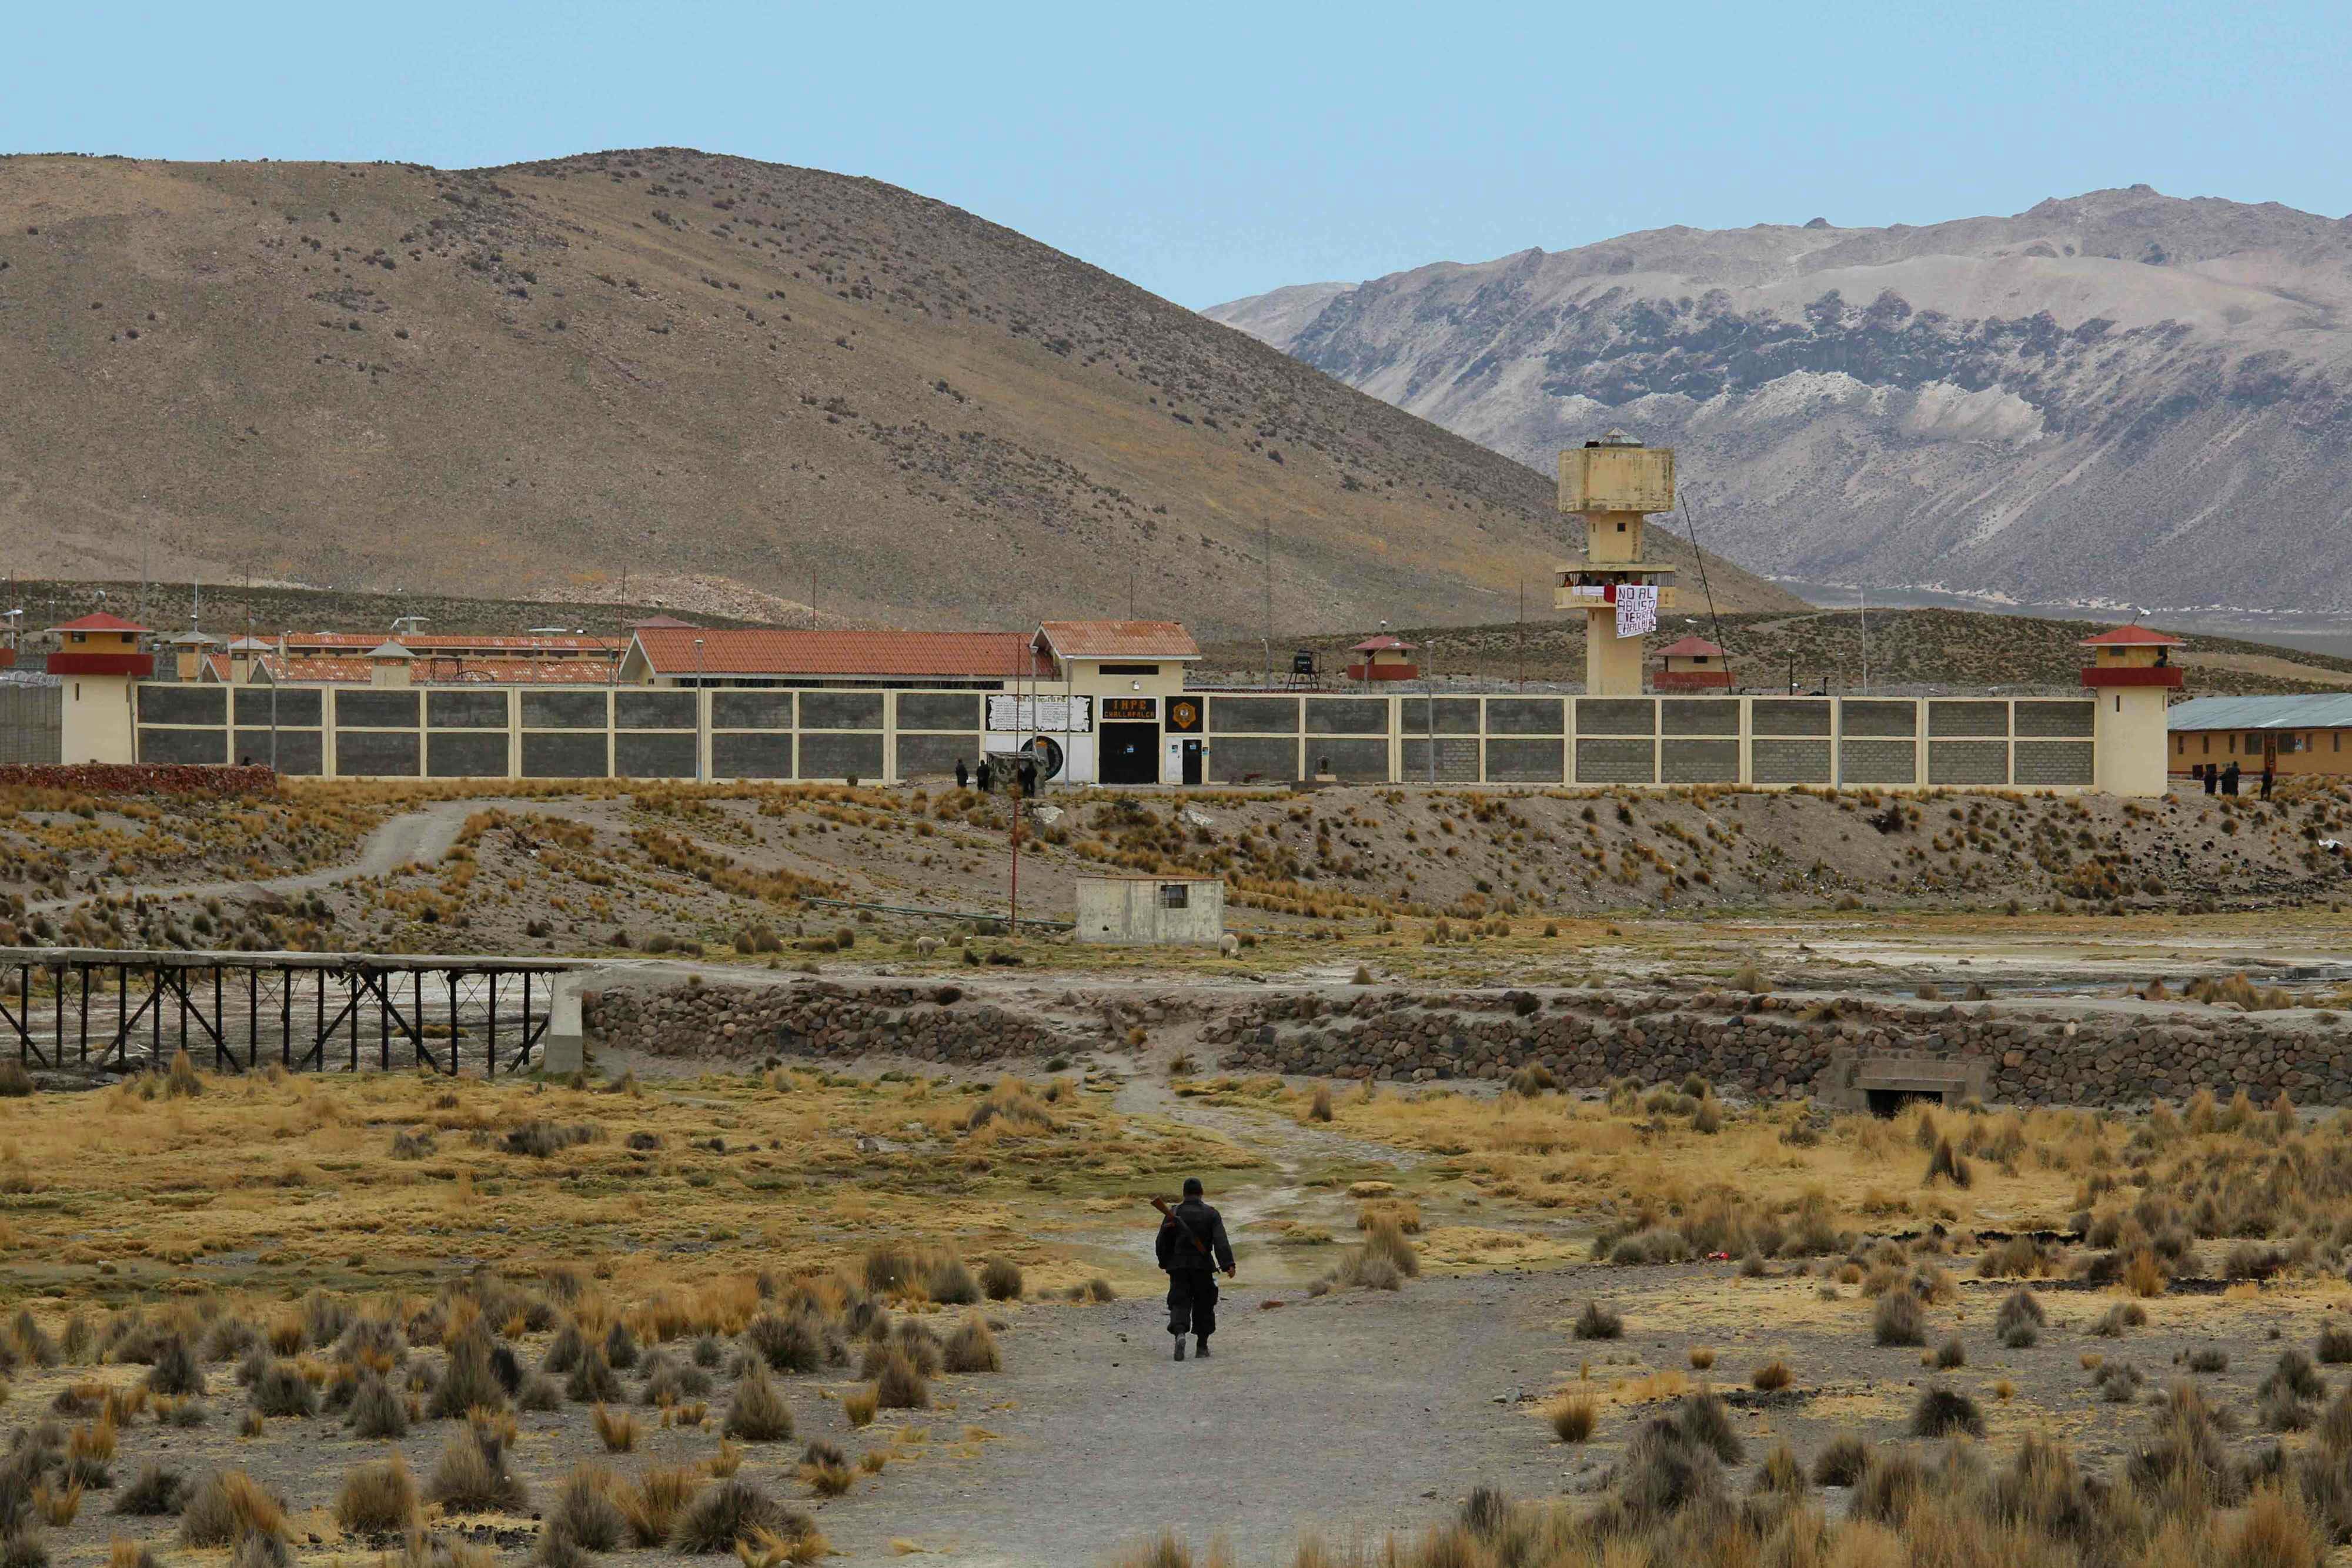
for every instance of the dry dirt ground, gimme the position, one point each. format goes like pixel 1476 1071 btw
pixel 637 868
pixel 1346 1414
pixel 1351 1412
pixel 1339 1416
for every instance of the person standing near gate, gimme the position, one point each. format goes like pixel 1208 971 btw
pixel 2230 778
pixel 987 775
pixel 1192 1248
pixel 964 775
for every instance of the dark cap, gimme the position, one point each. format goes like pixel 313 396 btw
pixel 1192 1186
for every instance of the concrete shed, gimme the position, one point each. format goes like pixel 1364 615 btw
pixel 1139 911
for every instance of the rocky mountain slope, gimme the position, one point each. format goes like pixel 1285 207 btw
pixel 748 387
pixel 2122 396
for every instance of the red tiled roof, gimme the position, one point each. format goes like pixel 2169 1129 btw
pixel 437 672
pixel 1120 640
pixel 101 621
pixel 761 650
pixel 1691 647
pixel 452 642
pixel 1381 644
pixel 429 670
pixel 318 672
pixel 2133 636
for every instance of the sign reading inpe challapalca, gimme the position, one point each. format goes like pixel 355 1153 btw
pixel 1007 712
pixel 1130 710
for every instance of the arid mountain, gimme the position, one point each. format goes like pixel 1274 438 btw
pixel 746 386
pixel 2122 396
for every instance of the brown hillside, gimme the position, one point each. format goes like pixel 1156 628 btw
pixel 1908 650
pixel 747 385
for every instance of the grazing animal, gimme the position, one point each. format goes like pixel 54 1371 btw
pixel 926 945
pixel 1229 945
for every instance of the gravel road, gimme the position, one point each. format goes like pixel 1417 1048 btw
pixel 1353 1414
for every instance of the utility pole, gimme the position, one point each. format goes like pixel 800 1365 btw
pixel 1429 709
pixel 701 707
pixel 1523 630
pixel 1268 645
pixel 1012 791
pixel 1865 639
pixel 248 675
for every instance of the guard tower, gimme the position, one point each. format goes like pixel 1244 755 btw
pixel 1613 484
pixel 2131 677
pixel 1694 664
pixel 390 664
pixel 101 660
pixel 1383 658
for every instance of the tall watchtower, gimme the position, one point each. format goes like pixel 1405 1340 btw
pixel 1613 484
pixel 2132 677
pixel 100 657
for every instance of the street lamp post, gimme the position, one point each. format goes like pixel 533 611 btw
pixel 1429 711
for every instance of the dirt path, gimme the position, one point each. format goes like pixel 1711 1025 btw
pixel 424 835
pixel 1353 1414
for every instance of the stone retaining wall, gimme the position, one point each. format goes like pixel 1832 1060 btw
pixel 2024 1052
pixel 2029 1055
pixel 817 1019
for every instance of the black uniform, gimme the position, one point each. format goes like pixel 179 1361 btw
pixel 964 775
pixel 1192 1273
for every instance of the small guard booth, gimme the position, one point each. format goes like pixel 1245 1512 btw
pixel 1151 910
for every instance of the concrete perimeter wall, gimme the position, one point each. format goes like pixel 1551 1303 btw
pixel 563 732
pixel 31 722
pixel 884 737
pixel 1951 742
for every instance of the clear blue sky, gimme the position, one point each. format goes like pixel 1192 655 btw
pixel 1207 152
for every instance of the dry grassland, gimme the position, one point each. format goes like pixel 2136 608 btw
pixel 587 1303
pixel 378 1182
pixel 2096 1332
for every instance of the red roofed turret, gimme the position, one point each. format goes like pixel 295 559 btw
pixel 1694 664
pixel 2132 656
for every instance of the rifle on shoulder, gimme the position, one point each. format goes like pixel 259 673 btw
pixel 1168 1212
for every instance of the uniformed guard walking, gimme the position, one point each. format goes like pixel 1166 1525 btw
pixel 1192 1248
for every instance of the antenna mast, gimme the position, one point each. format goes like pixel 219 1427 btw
pixel 1713 621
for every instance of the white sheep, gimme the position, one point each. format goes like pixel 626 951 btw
pixel 1229 944
pixel 926 945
